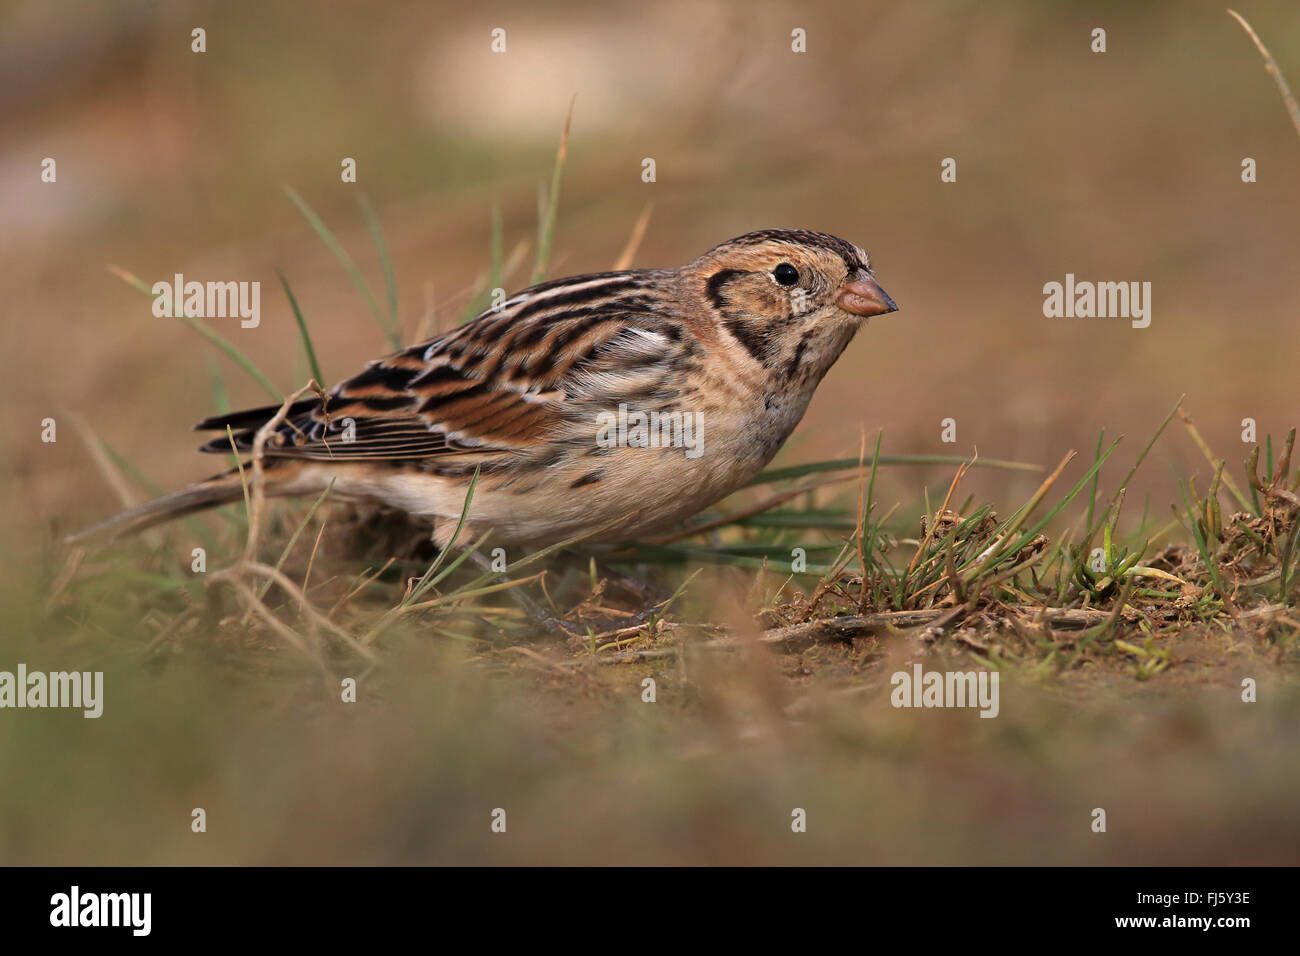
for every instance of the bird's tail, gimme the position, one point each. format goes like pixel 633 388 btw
pixel 220 490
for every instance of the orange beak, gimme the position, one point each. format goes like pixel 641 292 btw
pixel 863 296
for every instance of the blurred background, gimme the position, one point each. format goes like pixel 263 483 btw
pixel 1122 166
pixel 1119 166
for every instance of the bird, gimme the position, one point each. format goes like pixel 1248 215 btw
pixel 553 403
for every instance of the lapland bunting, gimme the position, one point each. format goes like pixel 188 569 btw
pixel 643 396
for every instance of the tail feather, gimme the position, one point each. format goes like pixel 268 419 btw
pixel 253 417
pixel 220 490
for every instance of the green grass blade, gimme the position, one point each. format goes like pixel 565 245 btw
pixel 385 264
pixel 1096 479
pixel 817 520
pixel 1012 546
pixel 302 329
pixel 238 357
pixel 350 267
pixel 482 298
pixel 425 581
pixel 293 538
pixel 128 468
pixel 220 399
pixel 1151 443
pixel 843 464
pixel 216 338
pixel 497 272
pixel 651 554
pixel 546 222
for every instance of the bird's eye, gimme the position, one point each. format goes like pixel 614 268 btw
pixel 785 274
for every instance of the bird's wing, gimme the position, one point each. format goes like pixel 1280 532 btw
pixel 501 385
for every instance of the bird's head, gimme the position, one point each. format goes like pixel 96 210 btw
pixel 791 298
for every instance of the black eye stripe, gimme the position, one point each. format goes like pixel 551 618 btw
pixel 713 289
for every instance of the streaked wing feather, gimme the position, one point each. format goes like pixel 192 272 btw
pixel 498 385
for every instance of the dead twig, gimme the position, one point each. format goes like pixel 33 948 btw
pixel 1271 66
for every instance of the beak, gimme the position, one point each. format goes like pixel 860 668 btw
pixel 863 296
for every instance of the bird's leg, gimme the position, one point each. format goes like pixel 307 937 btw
pixel 646 593
pixel 536 613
